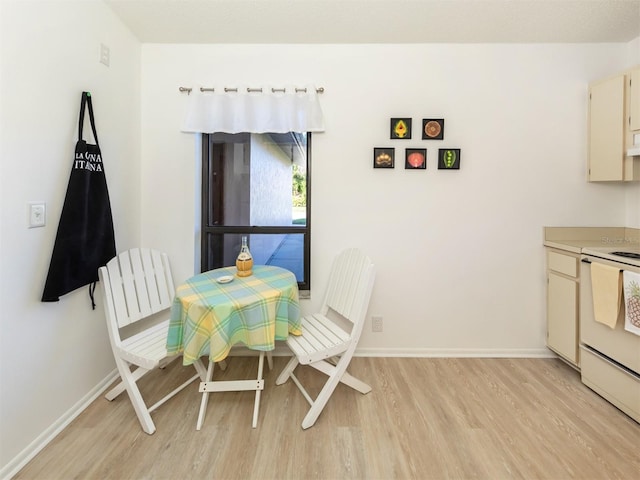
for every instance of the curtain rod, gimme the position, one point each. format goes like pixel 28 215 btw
pixel 249 90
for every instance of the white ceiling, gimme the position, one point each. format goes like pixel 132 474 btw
pixel 380 21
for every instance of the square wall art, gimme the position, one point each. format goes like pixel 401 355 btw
pixel 400 129
pixel 415 158
pixel 449 159
pixel 383 157
pixel 432 128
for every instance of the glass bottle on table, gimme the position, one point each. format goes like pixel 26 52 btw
pixel 244 262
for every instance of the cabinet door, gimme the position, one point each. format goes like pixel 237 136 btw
pixel 562 316
pixel 634 100
pixel 606 129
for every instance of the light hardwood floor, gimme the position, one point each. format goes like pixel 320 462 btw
pixel 425 419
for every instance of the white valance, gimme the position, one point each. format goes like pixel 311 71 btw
pixel 254 110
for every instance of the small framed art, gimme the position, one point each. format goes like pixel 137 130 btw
pixel 415 158
pixel 383 157
pixel 449 159
pixel 400 129
pixel 432 128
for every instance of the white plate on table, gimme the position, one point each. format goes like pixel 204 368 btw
pixel 225 279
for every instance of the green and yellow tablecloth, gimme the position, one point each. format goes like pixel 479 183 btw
pixel 208 318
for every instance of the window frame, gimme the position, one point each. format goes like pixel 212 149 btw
pixel 207 229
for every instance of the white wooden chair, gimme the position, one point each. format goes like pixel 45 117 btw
pixel 137 285
pixel 329 338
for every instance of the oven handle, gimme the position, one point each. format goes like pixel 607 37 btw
pixel 588 261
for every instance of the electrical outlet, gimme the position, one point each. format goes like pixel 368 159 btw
pixel 376 324
pixel 37 215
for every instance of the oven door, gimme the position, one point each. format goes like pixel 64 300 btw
pixel 615 343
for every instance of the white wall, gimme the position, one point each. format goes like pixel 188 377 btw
pixel 633 52
pixel 459 253
pixel 52 355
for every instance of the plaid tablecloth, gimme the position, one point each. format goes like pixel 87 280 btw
pixel 208 318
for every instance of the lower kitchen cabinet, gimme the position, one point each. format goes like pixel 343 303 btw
pixel 563 305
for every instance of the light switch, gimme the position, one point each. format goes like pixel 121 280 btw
pixel 37 215
pixel 105 55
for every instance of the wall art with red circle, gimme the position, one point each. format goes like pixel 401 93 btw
pixel 415 158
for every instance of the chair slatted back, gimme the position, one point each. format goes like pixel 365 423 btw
pixel 138 284
pixel 350 286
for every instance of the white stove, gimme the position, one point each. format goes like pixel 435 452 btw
pixel 610 356
pixel 626 254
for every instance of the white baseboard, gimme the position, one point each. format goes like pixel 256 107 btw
pixel 15 465
pixel 456 352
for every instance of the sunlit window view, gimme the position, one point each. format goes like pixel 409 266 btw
pixel 257 185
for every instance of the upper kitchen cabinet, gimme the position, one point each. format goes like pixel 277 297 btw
pixel 634 100
pixel 614 121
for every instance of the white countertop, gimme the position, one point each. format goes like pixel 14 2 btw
pixel 576 239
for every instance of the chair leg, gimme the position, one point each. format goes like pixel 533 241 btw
pixel 323 397
pixel 129 382
pixel 120 387
pixel 328 368
pixel 288 369
pixel 319 403
pixel 355 383
pixel 139 372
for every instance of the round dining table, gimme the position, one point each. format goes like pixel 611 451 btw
pixel 215 310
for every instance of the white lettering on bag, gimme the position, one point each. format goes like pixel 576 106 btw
pixel 93 162
pixel 86 165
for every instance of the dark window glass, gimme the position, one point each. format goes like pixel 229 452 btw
pixel 257 185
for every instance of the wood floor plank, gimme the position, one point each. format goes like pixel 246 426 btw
pixel 425 418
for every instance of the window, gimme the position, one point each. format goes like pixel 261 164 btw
pixel 257 185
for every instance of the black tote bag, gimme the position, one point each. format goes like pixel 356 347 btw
pixel 85 240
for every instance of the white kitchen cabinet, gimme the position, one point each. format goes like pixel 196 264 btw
pixel 563 276
pixel 634 100
pixel 614 116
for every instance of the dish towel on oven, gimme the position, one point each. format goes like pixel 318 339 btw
pixel 632 302
pixel 606 286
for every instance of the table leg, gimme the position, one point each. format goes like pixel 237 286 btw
pixel 270 360
pixel 205 397
pixel 208 386
pixel 256 405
